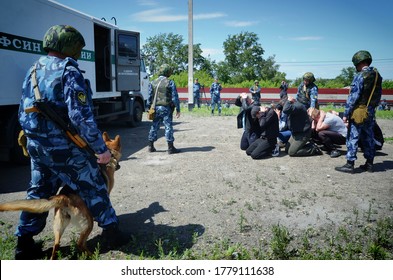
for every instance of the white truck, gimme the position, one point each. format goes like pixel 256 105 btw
pixel 111 60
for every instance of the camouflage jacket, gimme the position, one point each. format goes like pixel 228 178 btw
pixel 361 88
pixel 307 95
pixel 63 87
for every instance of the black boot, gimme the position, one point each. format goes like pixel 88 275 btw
pixel 347 168
pixel 172 149
pixel 368 166
pixel 151 148
pixel 112 237
pixel 27 249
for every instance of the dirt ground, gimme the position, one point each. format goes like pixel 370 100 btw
pixel 213 190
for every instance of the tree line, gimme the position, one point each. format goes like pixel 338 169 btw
pixel 244 62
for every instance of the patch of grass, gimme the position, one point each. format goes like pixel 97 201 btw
pixel 231 185
pixel 231 201
pixel 248 206
pixel 384 114
pixel 7 246
pixel 280 243
pixel 242 221
pixel 260 181
pixel 350 241
pixel 289 203
pixel 379 114
pixel 388 140
pixel 233 110
pixel 205 111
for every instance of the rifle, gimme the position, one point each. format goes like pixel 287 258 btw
pixel 42 107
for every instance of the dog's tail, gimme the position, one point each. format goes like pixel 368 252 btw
pixel 35 205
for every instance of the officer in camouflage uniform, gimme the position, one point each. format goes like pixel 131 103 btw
pixel 283 90
pixel 215 93
pixel 307 92
pixel 197 93
pixel 167 101
pixel 361 89
pixel 55 160
pixel 255 91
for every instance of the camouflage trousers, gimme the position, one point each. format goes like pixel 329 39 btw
pixel 216 101
pixel 365 133
pixel 51 168
pixel 163 114
pixel 197 99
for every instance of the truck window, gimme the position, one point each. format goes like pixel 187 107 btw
pixel 127 46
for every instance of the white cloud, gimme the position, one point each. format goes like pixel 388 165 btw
pixel 215 54
pixel 147 3
pixel 164 15
pixel 207 51
pixel 235 23
pixel 158 15
pixel 307 38
pixel 209 16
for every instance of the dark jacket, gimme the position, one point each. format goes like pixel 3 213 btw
pixel 298 119
pixel 268 123
pixel 283 90
pixel 251 125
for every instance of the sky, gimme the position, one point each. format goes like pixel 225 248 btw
pixel 316 36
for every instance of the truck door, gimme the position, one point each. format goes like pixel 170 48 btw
pixel 102 43
pixel 127 60
pixel 144 80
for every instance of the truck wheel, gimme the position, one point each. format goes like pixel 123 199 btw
pixel 136 118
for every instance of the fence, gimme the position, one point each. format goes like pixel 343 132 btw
pixel 271 95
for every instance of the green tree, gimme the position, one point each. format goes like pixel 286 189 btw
pixel 244 60
pixel 169 48
pixel 163 48
pixel 346 76
pixel 270 71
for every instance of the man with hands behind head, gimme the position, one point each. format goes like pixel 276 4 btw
pixel 268 122
pixel 299 123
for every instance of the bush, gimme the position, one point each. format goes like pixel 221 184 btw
pixel 206 79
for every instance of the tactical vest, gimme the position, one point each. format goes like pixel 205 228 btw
pixel 304 96
pixel 163 91
pixel 368 85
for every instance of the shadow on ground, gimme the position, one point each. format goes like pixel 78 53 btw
pixel 16 178
pixel 146 238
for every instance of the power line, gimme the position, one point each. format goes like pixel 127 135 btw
pixel 331 61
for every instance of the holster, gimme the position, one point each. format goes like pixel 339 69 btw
pixel 22 141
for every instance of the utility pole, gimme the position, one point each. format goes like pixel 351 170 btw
pixel 190 57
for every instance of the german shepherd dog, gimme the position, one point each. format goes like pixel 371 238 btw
pixel 69 207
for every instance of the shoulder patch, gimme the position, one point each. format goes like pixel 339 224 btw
pixel 82 97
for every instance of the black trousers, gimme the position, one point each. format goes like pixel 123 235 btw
pixel 330 138
pixel 247 139
pixel 261 148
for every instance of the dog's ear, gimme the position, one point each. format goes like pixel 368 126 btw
pixel 105 136
pixel 117 140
